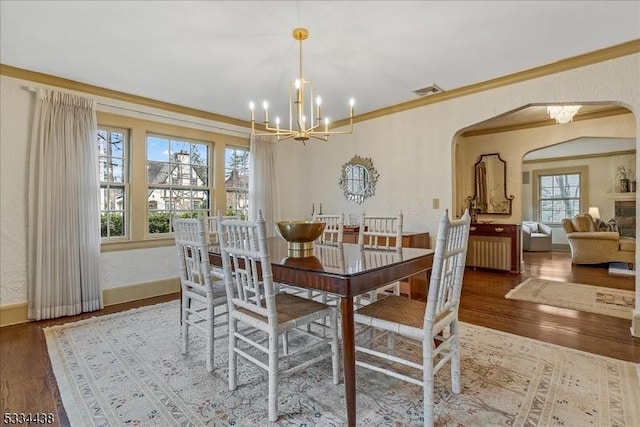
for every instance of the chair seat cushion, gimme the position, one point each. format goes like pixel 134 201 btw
pixel 217 286
pixel 627 244
pixel 290 307
pixel 539 236
pixel 397 309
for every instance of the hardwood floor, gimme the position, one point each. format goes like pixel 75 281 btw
pixel 29 386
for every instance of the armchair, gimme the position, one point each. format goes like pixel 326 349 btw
pixel 536 236
pixel 589 245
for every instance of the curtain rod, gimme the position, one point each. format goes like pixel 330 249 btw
pixel 33 89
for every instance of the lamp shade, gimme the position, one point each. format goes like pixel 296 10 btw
pixel 594 212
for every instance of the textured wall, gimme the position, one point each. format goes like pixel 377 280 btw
pixel 411 150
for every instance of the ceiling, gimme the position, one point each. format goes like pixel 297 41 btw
pixel 217 56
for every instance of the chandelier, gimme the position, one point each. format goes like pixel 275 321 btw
pixel 301 127
pixel 563 113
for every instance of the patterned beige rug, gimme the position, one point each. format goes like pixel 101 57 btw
pixel 127 369
pixel 594 299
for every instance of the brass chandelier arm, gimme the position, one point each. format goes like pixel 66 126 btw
pixel 297 99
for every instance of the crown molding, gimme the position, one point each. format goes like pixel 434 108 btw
pixel 47 79
pixel 580 157
pixel 614 111
pixel 613 52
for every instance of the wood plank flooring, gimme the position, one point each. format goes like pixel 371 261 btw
pixel 27 383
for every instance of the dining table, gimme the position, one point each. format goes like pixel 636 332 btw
pixel 346 270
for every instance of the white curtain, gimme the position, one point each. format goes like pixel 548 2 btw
pixel 64 229
pixel 263 189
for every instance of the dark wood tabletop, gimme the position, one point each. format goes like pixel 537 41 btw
pixel 347 271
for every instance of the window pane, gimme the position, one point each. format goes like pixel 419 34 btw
pixel 178 175
pixel 112 166
pixel 237 181
pixel 559 197
pixel 157 149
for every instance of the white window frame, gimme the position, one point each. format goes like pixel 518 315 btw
pixel 124 185
pixel 581 171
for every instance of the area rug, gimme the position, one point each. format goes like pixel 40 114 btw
pixel 594 299
pixel 127 369
pixel 621 269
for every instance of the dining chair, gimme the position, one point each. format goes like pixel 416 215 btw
pixel 203 294
pixel 382 233
pixel 212 236
pixel 254 303
pixel 433 325
pixel 334 229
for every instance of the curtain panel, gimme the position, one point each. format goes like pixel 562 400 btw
pixel 263 189
pixel 64 211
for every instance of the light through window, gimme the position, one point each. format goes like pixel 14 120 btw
pixel 236 181
pixel 178 181
pixel 112 165
pixel 559 196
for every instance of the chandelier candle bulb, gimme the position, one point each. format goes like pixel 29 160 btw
pixel 318 114
pixel 252 107
pixel 265 105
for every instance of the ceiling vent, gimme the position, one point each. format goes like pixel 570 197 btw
pixel 429 90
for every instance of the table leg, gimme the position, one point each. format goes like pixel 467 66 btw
pixel 349 357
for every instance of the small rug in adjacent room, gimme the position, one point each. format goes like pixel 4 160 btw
pixel 127 369
pixel 621 269
pixel 594 299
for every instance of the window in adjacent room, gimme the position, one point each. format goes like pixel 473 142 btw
pixel 559 194
pixel 114 180
pixel 236 181
pixel 178 181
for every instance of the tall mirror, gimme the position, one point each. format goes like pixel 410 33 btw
pixel 490 187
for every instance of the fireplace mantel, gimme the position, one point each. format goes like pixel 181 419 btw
pixel 622 196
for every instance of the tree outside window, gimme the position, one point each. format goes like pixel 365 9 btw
pixel 112 166
pixel 559 196
pixel 236 181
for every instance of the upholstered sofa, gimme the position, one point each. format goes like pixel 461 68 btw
pixel 590 244
pixel 536 236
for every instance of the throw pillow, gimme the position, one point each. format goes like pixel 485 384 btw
pixel 612 225
pixel 601 225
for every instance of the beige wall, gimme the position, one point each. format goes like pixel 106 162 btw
pixel 514 145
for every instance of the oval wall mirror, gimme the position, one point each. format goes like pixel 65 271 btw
pixel 358 180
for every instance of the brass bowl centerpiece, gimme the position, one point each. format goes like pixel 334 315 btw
pixel 300 236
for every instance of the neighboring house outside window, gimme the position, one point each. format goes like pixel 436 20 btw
pixel 178 173
pixel 236 181
pixel 113 170
pixel 152 171
pixel 559 193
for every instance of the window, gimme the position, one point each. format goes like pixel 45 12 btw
pixel 178 181
pixel 112 164
pixel 560 193
pixel 236 181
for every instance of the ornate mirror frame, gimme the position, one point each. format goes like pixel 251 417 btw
pixel 490 186
pixel 358 180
